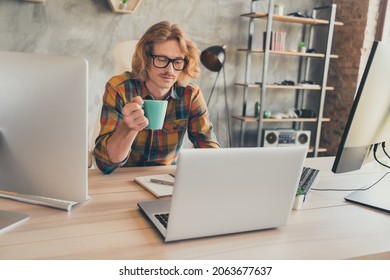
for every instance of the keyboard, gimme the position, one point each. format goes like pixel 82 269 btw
pixel 308 179
pixel 162 218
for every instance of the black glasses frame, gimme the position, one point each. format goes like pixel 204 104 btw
pixel 169 60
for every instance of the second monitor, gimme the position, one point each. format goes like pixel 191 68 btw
pixel 43 126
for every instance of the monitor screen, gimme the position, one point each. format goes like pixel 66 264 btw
pixel 43 125
pixel 369 119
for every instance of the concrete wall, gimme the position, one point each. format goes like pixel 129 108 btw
pixel 88 28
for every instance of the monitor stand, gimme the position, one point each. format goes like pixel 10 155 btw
pixel 9 219
pixel 377 197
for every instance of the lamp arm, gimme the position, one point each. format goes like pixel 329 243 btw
pixel 212 89
pixel 226 108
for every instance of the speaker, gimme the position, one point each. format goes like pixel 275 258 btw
pixel 286 138
pixel 303 138
pixel 270 138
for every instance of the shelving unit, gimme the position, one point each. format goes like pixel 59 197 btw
pixel 305 61
pixel 131 6
pixel 290 19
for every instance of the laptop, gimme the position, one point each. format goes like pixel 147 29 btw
pixel 9 219
pixel 228 190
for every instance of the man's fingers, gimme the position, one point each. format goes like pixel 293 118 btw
pixel 137 100
pixel 130 108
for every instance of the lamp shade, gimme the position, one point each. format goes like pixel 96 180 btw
pixel 213 58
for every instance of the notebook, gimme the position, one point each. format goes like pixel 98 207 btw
pixel 159 185
pixel 228 190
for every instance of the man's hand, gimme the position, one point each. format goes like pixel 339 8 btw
pixel 133 114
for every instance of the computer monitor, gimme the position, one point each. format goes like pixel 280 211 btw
pixel 43 127
pixel 369 118
pixel 368 124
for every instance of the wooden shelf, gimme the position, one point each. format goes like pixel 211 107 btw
pixel 291 19
pixel 291 53
pixel 271 120
pixel 305 87
pixel 131 6
pixel 320 150
pixel 308 87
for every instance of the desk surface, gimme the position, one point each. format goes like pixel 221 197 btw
pixel 110 226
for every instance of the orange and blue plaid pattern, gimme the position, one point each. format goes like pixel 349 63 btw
pixel 186 112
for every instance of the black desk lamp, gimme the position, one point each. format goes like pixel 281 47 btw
pixel 213 58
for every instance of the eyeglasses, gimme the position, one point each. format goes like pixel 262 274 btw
pixel 161 61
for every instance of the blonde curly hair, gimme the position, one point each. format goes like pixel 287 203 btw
pixel 158 33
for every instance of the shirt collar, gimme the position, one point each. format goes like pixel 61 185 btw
pixel 145 93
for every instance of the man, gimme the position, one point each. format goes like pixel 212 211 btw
pixel 163 62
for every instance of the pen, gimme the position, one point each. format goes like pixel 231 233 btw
pixel 162 182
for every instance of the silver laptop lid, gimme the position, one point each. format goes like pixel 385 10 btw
pixel 220 191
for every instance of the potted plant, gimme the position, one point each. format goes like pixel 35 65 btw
pixel 279 9
pixel 302 47
pixel 123 5
pixel 298 201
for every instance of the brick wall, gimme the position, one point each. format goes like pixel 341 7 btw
pixel 352 42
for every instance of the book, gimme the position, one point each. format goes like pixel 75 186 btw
pixel 159 185
pixel 277 40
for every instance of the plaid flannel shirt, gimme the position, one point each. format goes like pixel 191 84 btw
pixel 186 112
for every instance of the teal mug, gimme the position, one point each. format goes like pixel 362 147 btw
pixel 155 112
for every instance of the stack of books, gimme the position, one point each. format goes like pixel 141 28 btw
pixel 277 41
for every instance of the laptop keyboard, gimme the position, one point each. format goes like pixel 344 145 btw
pixel 162 218
pixel 308 178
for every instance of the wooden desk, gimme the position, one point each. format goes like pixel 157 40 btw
pixel 109 226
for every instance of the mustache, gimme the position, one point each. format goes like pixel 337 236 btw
pixel 167 74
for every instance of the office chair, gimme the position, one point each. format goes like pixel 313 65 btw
pixel 122 54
